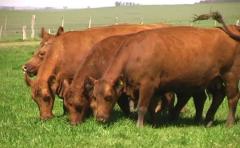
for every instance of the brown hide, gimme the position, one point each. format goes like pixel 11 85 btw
pixel 67 52
pixel 171 59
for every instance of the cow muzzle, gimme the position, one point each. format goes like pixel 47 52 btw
pixel 29 70
pixel 46 116
pixel 102 118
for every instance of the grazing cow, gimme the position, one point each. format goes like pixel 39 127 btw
pixel 64 55
pixel 78 96
pixel 33 64
pixel 98 59
pixel 176 58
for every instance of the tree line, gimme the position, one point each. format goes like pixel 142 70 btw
pixel 119 3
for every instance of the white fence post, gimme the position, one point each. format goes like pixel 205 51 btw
pixel 141 19
pixel 116 20
pixel 90 22
pixel 33 26
pixel 215 23
pixel 237 22
pixel 5 23
pixel 1 28
pixel 49 31
pixel 62 21
pixel 24 34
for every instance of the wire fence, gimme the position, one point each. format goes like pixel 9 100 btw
pixel 14 31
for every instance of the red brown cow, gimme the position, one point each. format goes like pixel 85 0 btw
pixel 77 99
pixel 64 55
pixel 78 96
pixel 33 64
pixel 150 61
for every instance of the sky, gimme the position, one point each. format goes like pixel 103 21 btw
pixel 86 3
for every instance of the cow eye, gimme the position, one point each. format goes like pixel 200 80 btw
pixel 108 98
pixel 46 98
pixel 41 54
pixel 78 108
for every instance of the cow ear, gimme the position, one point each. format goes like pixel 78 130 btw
pixel 89 83
pixel 44 34
pixel 60 31
pixel 88 86
pixel 119 85
pixel 91 80
pixel 52 82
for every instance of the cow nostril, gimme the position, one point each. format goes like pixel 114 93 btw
pixel 24 68
pixel 101 119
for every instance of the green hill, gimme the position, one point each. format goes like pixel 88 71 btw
pixel 78 18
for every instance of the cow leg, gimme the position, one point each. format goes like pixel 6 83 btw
pixel 232 93
pixel 155 106
pixel 64 110
pixel 199 99
pixel 170 98
pixel 145 94
pixel 123 103
pixel 218 98
pixel 181 102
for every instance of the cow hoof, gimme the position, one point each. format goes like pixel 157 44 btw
pixel 209 124
pixel 139 125
pixel 74 123
pixel 229 125
pixel 46 118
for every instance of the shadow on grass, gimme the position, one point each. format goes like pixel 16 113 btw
pixel 162 120
pixel 117 115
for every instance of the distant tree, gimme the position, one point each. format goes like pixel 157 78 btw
pixel 119 3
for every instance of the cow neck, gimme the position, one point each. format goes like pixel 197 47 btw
pixel 115 69
pixel 82 73
pixel 48 66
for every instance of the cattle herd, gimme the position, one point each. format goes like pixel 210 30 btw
pixel 143 65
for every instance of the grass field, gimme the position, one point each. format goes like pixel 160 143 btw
pixel 78 19
pixel 19 119
pixel 21 127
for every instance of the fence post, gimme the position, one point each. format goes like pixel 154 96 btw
pixel 33 26
pixel 116 20
pixel 24 34
pixel 141 19
pixel 62 21
pixel 215 23
pixel 5 23
pixel 90 22
pixel 237 22
pixel 1 28
pixel 49 31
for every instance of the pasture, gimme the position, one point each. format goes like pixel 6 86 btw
pixel 20 125
pixel 75 19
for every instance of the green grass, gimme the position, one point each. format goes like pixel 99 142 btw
pixel 21 127
pixel 19 117
pixel 77 19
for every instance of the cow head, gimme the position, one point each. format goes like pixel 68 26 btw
pixel 105 97
pixel 33 64
pixel 78 101
pixel 77 106
pixel 42 96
